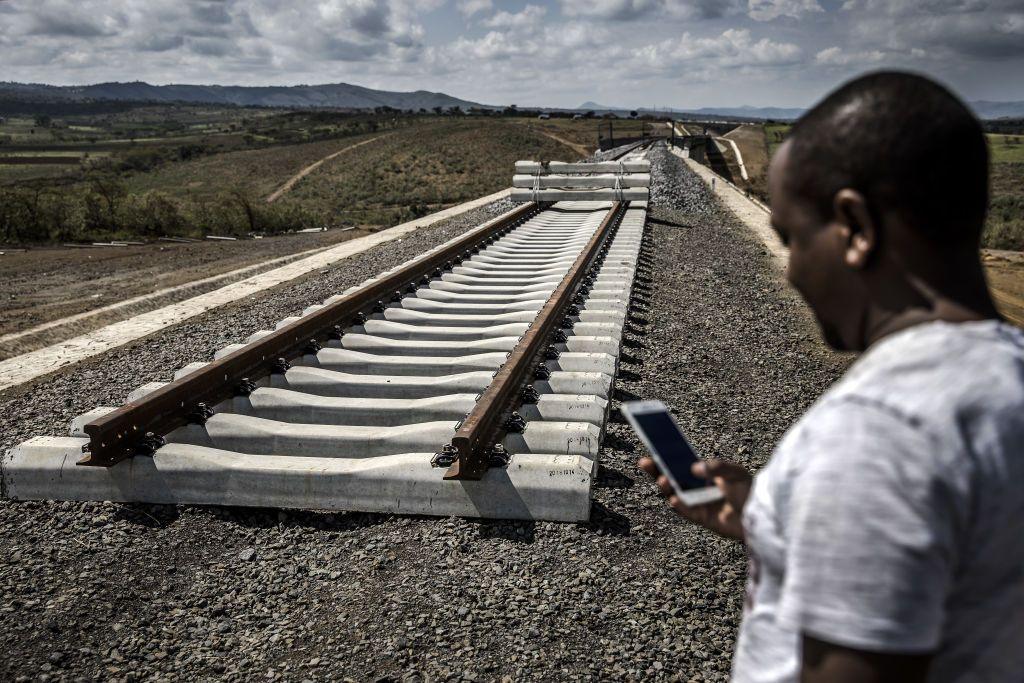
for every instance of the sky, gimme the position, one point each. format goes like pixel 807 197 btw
pixel 561 53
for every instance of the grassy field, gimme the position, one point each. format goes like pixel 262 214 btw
pixel 416 171
pixel 1005 226
pixel 775 134
pixel 1006 149
pixel 175 176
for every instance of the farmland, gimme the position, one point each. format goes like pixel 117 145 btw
pixel 188 170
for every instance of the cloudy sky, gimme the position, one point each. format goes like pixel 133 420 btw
pixel 679 53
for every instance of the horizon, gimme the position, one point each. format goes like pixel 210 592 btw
pixel 692 53
pixel 590 103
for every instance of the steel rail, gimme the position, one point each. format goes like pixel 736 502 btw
pixel 476 434
pixel 130 429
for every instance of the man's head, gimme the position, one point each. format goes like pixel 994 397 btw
pixel 883 182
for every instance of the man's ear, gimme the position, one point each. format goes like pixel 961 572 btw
pixel 859 229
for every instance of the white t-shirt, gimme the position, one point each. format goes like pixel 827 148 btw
pixel 891 517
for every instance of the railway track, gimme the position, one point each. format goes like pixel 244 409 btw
pixel 474 380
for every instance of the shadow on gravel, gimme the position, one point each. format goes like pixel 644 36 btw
pixel 605 521
pixel 523 531
pixel 608 478
pixel 628 375
pixel 638 320
pixel 151 516
pixel 617 443
pixel 670 224
pixel 620 394
pixel 265 518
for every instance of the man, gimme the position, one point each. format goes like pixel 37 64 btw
pixel 886 535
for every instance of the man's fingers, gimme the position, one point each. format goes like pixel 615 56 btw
pixel 648 465
pixel 665 485
pixel 697 514
pixel 714 468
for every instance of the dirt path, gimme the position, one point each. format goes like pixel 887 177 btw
pixel 581 149
pixel 1005 272
pixel 290 183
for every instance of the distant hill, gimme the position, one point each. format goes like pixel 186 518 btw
pixel 705 112
pixel 602 107
pixel 998 110
pixel 332 95
pixel 983 108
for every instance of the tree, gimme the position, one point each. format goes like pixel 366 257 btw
pixel 43 121
pixel 247 207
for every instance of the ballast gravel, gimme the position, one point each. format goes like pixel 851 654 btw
pixel 143 592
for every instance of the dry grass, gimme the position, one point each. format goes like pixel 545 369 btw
pixel 414 167
pixel 256 172
pixel 417 170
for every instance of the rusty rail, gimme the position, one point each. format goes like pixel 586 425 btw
pixel 124 432
pixel 474 437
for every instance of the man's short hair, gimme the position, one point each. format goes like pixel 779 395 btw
pixel 903 141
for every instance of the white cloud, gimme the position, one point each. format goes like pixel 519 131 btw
pixel 470 7
pixel 531 16
pixel 948 29
pixel 767 10
pixel 835 56
pixel 734 48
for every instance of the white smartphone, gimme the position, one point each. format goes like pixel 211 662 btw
pixel 671 451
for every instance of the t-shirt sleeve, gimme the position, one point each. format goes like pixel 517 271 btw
pixel 870 533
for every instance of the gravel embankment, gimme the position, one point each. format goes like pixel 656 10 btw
pixel 182 593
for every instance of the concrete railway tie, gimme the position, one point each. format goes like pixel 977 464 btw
pixel 359 421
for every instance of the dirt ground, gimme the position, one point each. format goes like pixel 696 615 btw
pixel 45 284
pixel 1005 271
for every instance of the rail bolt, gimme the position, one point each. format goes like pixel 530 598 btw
pixel 245 387
pixel 515 423
pixel 445 458
pixel 200 414
pixel 149 444
pixel 497 456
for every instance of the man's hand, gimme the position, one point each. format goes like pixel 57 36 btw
pixel 724 517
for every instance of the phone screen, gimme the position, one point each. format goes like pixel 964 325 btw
pixel 666 438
